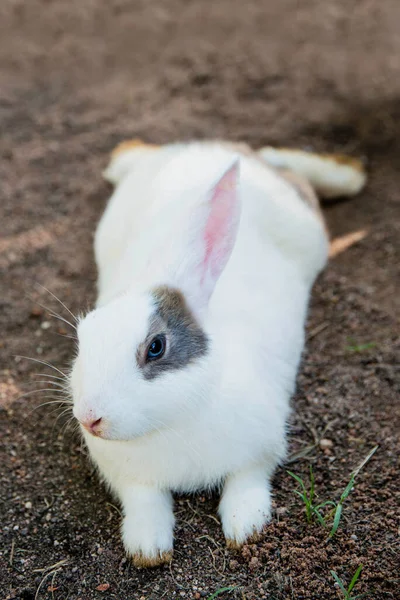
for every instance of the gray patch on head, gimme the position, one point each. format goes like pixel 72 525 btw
pixel 186 341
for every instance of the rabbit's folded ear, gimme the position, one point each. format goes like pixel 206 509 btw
pixel 213 231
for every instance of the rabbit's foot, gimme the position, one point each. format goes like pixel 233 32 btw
pixel 245 507
pixel 147 529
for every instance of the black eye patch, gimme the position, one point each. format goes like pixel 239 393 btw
pixel 175 339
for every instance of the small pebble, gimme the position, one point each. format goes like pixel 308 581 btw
pixel 254 563
pixel 325 444
pixel 45 325
pixel 28 505
pixel 233 565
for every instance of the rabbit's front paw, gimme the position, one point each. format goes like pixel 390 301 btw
pixel 244 507
pixel 147 530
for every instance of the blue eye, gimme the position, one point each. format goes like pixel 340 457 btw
pixel 156 348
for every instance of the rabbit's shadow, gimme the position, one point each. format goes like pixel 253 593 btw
pixel 370 131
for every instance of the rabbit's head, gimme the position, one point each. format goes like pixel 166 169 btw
pixel 144 358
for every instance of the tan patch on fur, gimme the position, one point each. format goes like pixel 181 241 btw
pixel 340 159
pixel 252 539
pixel 172 301
pixel 233 544
pixel 302 186
pixel 343 159
pixel 149 562
pixel 304 190
pixel 130 145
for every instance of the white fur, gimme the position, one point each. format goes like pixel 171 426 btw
pixel 221 419
pixel 149 522
pixel 246 503
pixel 330 177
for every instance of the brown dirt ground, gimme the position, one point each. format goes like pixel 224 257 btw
pixel 76 78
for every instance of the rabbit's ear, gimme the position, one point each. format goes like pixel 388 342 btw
pixel 214 226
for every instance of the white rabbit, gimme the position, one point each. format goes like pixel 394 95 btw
pixel 206 256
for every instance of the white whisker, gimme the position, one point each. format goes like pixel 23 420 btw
pixel 55 315
pixel 58 300
pixel 65 335
pixel 62 402
pixel 49 382
pixel 51 312
pixel 68 424
pixel 32 392
pixel 56 398
pixel 62 413
pixel 42 362
pixel 50 376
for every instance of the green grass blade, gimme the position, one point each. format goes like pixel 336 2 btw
pixel 355 579
pixel 360 347
pixel 328 502
pixel 364 462
pixel 220 591
pixel 339 582
pixel 301 494
pixel 320 518
pixel 309 512
pixel 312 484
pixel 296 477
pixel 347 489
pixel 299 480
pixel 336 520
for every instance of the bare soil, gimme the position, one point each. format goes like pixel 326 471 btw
pixel 75 79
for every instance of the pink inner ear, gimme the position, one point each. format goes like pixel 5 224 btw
pixel 220 231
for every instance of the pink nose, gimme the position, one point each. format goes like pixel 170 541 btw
pixel 92 426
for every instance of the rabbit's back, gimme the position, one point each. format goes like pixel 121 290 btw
pixel 160 183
